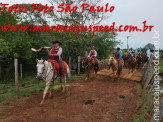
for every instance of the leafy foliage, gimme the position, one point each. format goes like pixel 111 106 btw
pixel 17 44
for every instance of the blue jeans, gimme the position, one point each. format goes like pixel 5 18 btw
pixel 60 67
pixel 95 60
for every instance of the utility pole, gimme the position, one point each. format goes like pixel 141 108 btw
pixel 127 42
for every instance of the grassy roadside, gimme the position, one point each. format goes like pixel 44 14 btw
pixel 161 65
pixel 10 93
pixel 138 116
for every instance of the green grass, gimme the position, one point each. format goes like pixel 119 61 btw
pixel 8 88
pixel 161 66
pixel 139 117
pixel 21 93
pixel 161 62
pixel 161 69
pixel 139 87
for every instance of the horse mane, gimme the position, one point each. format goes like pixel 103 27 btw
pixel 112 59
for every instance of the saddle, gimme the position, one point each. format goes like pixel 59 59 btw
pixel 93 61
pixel 120 62
pixel 56 66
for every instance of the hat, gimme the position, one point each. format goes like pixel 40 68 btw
pixel 118 48
pixel 57 42
pixel 93 46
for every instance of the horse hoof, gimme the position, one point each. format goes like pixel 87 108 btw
pixel 50 96
pixel 41 104
pixel 62 91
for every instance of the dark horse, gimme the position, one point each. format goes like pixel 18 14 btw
pixel 138 61
pixel 131 62
pixel 144 58
pixel 125 58
pixel 88 65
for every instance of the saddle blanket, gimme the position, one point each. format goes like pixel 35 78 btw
pixel 93 60
pixel 121 62
pixel 57 66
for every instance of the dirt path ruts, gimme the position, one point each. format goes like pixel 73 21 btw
pixel 70 107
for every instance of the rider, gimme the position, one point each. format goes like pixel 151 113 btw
pixel 93 54
pixel 148 52
pixel 125 53
pixel 55 53
pixel 118 57
pixel 138 53
pixel 131 52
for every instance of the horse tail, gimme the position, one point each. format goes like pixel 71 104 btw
pixel 68 72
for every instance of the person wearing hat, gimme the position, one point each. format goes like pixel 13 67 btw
pixel 93 54
pixel 118 54
pixel 118 57
pixel 131 52
pixel 56 54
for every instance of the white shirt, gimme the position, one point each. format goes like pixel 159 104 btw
pixel 93 55
pixel 59 52
pixel 148 53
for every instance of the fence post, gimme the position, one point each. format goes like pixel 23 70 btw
pixel 21 73
pixel 69 62
pixel 0 72
pixel 86 53
pixel 16 74
pixel 79 65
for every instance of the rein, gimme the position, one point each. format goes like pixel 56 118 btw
pixel 44 77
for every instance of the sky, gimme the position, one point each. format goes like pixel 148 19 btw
pixel 128 12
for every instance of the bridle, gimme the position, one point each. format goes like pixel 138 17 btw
pixel 111 64
pixel 44 77
pixel 85 62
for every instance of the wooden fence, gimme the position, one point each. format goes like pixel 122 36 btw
pixel 148 91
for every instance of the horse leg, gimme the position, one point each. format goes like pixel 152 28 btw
pixel 95 72
pixel 65 80
pixel 129 69
pixel 87 75
pixel 119 71
pixel 50 92
pixel 62 84
pixel 113 79
pixel 45 91
pixel 132 68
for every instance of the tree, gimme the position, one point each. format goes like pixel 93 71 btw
pixel 68 18
pixel 150 46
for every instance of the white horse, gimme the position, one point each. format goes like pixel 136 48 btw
pixel 46 72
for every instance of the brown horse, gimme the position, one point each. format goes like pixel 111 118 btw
pixel 131 63
pixel 125 58
pixel 144 58
pixel 88 65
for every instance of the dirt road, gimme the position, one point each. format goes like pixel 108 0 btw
pixel 95 100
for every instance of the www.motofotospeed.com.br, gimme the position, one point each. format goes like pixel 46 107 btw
pixel 156 88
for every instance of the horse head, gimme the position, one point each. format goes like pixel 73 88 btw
pixel 40 68
pixel 84 62
pixel 111 62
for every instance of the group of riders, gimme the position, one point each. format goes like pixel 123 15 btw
pixel 122 58
pixel 54 67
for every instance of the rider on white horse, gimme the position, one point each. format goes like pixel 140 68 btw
pixel 56 54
